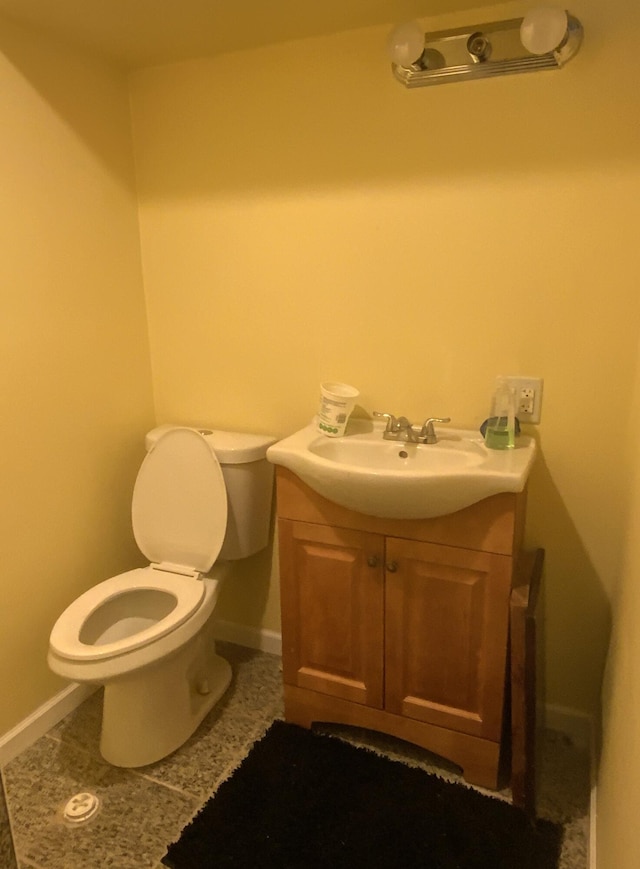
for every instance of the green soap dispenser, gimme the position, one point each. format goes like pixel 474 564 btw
pixel 500 433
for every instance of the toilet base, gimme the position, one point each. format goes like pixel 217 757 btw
pixel 150 713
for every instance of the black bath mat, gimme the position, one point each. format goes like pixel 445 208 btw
pixel 301 800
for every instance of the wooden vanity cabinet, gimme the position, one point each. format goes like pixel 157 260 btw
pixel 400 626
pixel 332 588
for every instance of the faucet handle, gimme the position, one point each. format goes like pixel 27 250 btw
pixel 428 432
pixel 392 422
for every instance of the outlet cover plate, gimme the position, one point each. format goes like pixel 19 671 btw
pixel 525 399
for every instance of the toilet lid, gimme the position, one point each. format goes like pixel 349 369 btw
pixel 179 507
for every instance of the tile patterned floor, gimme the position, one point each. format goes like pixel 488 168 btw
pixel 141 811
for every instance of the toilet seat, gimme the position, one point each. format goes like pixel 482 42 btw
pixel 179 516
pixel 177 599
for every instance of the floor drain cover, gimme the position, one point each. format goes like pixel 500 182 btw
pixel 81 808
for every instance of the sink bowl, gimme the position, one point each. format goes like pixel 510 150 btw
pixel 398 480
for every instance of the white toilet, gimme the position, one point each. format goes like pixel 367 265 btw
pixel 201 498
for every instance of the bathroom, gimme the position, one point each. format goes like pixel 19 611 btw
pixel 205 241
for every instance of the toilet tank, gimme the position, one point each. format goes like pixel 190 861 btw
pixel 248 479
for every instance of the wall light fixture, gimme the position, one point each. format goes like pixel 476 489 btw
pixel 546 38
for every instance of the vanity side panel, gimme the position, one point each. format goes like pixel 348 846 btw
pixel 492 525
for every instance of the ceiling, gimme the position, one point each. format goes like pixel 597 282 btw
pixel 136 33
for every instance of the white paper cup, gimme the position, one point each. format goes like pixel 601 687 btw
pixel 337 400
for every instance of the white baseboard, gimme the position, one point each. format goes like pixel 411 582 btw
pixel 252 638
pixel 574 723
pixel 39 722
pixel 583 730
pixel 593 816
pixel 595 749
pixel 579 726
pixel 31 728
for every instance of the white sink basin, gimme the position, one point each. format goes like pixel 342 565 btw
pixel 400 480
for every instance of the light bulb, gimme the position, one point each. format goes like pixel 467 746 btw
pixel 543 29
pixel 406 43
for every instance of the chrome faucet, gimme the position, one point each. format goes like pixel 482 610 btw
pixel 428 433
pixel 400 429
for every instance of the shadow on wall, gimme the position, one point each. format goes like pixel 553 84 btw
pixel 7 853
pixel 244 595
pixel 53 71
pixel 327 111
pixel 574 602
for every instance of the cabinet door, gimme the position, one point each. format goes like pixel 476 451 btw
pixel 332 610
pixel 447 613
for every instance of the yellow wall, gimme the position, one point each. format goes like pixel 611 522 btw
pixel 304 217
pixel 74 364
pixel 618 795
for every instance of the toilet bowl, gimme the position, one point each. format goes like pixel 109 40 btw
pixel 147 634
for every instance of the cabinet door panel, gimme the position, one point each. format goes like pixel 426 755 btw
pixel 333 622
pixel 446 637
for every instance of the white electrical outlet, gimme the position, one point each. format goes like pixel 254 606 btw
pixel 528 392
